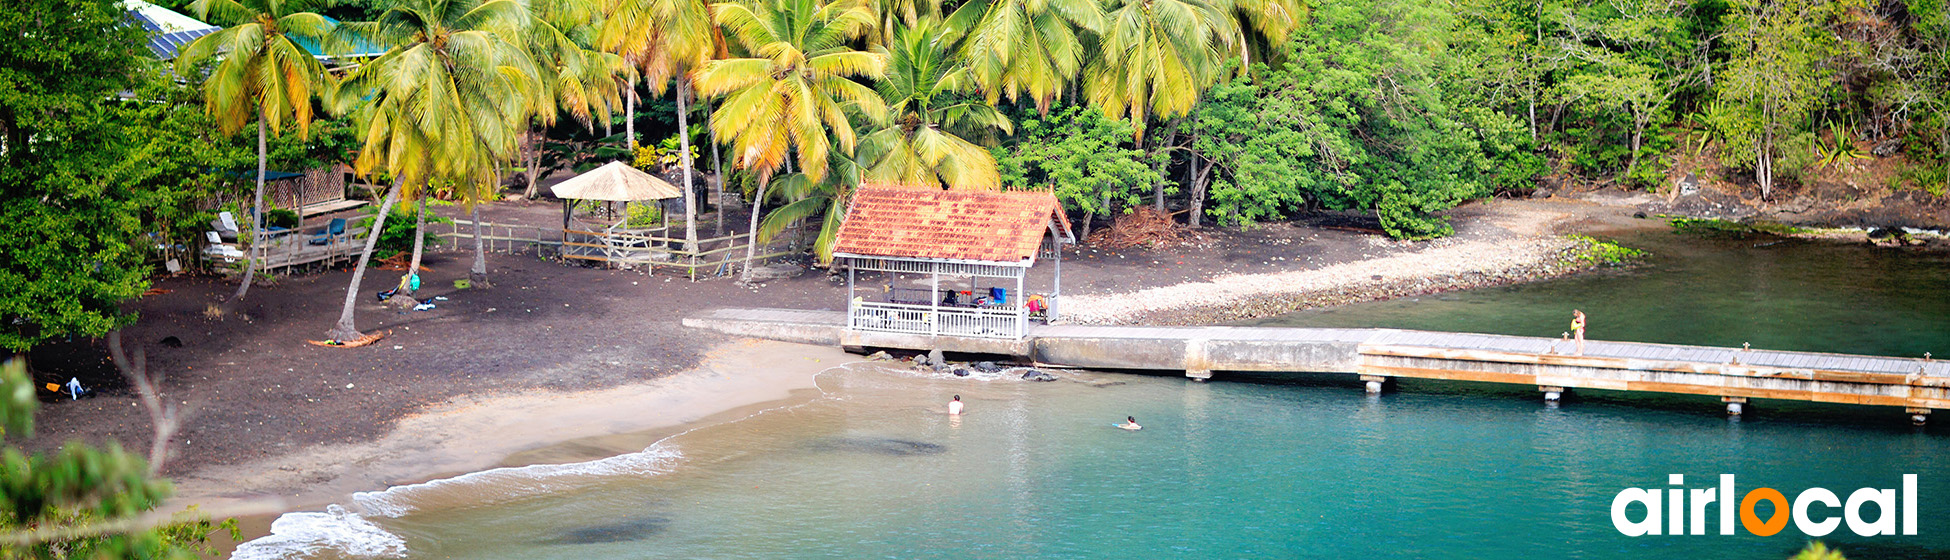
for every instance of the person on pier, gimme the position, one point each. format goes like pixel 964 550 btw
pixel 1577 330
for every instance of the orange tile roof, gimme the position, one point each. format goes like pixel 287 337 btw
pixel 921 222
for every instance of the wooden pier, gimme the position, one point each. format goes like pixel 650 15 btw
pixel 1379 355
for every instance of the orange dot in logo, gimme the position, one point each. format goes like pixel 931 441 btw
pixel 1752 522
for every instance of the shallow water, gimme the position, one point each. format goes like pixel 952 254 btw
pixel 1271 466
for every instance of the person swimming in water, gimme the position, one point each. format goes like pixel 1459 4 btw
pixel 954 406
pixel 1130 423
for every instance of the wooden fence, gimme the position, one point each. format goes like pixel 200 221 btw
pixel 647 248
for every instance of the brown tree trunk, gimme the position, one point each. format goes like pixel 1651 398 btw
pixel 345 330
pixel 257 221
pixel 1199 182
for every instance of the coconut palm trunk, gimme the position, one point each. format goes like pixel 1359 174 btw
pixel 419 240
pixel 478 274
pixel 717 168
pixel 257 220
pixel 345 329
pixel 684 148
pixel 751 247
pixel 629 119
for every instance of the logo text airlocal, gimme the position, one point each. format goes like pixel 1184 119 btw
pixel 1684 509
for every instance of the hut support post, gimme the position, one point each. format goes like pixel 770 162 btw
pixel 934 301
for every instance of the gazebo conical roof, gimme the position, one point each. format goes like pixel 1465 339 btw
pixel 616 182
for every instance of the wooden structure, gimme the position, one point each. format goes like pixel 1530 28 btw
pixel 1378 356
pixel 318 191
pixel 956 234
pixel 716 256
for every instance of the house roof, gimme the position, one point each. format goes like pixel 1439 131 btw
pixel 168 31
pixel 928 223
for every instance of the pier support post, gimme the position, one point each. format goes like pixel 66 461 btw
pixel 1197 366
pixel 1552 393
pixel 1375 383
pixel 1918 416
pixel 1735 405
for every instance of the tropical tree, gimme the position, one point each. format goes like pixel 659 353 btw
pixel 665 39
pixel 264 74
pixel 447 101
pixel 928 98
pixel 1154 58
pixel 808 199
pixel 1024 47
pixel 793 93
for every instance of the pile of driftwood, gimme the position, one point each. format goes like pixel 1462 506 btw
pixel 1143 227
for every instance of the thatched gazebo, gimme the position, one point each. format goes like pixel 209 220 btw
pixel 613 182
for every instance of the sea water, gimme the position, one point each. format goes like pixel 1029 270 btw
pixel 1271 466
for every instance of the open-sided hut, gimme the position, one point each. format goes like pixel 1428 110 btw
pixel 956 238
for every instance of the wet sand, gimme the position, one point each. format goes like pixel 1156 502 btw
pixel 476 433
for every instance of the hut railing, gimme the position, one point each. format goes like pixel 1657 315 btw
pixel 1007 322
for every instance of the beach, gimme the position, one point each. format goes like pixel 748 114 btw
pixel 554 353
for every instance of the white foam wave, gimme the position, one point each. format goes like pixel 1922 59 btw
pixel 305 533
pixel 301 534
pixel 513 483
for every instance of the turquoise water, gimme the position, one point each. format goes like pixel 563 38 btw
pixel 1253 467
pixel 1716 291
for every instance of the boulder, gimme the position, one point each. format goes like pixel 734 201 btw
pixel 961 372
pixel 987 367
pixel 934 357
pixel 1037 375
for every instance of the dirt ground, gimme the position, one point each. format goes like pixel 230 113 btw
pixel 249 388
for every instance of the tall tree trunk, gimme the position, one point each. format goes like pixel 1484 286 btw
pixel 1638 132
pixel 419 239
pixel 1197 214
pixel 684 148
pixel 257 221
pixel 478 273
pixel 751 247
pixel 629 121
pixel 531 159
pixel 345 330
pixel 717 168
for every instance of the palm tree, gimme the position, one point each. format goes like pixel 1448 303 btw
pixel 666 39
pixel 928 98
pixel 810 199
pixel 1155 56
pixel 263 73
pixel 446 102
pixel 1024 47
pixel 793 94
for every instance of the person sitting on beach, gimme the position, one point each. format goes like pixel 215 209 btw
pixel 1130 423
pixel 954 406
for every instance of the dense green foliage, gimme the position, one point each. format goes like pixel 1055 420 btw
pixel 66 496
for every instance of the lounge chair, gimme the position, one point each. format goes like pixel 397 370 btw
pixel 218 249
pixel 332 232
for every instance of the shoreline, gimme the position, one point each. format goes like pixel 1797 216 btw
pixel 477 433
pixel 1500 243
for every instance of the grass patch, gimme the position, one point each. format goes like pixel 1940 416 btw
pixel 1597 251
pixel 1716 226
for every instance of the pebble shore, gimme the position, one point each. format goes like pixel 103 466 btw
pixel 1445 265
